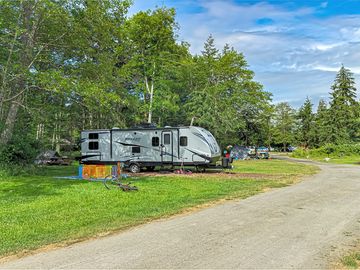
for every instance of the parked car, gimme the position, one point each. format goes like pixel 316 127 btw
pixel 263 152
pixel 291 148
pixel 252 152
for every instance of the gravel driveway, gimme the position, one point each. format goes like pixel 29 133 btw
pixel 301 226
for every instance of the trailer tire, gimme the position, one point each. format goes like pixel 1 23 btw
pixel 134 168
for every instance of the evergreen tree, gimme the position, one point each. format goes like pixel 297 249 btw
pixel 284 124
pixel 320 129
pixel 343 108
pixel 210 52
pixel 224 98
pixel 306 119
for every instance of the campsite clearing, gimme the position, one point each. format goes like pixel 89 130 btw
pixel 42 210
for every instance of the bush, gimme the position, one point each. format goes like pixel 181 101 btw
pixel 300 153
pixel 329 150
pixel 21 150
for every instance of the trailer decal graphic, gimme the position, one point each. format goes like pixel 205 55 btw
pixel 129 144
pixel 198 154
pixel 137 145
pixel 204 139
pixel 90 156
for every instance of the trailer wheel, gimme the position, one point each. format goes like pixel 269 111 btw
pixel 134 168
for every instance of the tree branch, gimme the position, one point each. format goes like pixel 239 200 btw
pixel 14 97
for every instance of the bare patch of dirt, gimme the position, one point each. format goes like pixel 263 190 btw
pixel 210 174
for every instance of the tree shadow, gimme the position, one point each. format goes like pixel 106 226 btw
pixel 25 189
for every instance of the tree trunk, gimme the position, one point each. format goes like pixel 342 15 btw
pixel 1 106
pixel 150 90
pixel 53 140
pixel 58 129
pixel 7 133
pixel 57 144
pixel 27 43
pixel 39 131
pixel 91 120
pixel 151 102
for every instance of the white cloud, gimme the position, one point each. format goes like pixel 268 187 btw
pixel 354 69
pixel 325 46
pixel 295 54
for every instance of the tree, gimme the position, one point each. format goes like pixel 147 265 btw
pixel 224 98
pixel 62 59
pixel 306 122
pixel 343 108
pixel 70 65
pixel 154 54
pixel 29 33
pixel 58 51
pixel 321 124
pixel 284 124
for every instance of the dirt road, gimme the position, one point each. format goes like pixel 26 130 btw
pixel 300 226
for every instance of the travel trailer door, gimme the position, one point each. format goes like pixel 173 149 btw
pixel 166 147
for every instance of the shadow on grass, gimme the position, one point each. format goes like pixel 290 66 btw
pixel 58 170
pixel 27 188
pixel 32 189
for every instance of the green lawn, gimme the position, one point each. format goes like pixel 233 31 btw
pixel 355 160
pixel 40 210
pixel 336 158
pixel 275 167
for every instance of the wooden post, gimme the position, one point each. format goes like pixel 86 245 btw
pixel 119 169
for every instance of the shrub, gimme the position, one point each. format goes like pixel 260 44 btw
pixel 300 153
pixel 21 150
pixel 329 150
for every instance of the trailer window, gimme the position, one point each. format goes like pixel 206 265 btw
pixel 155 141
pixel 93 145
pixel 183 141
pixel 136 149
pixel 93 136
pixel 166 138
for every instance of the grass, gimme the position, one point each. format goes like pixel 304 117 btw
pixel 352 261
pixel 338 154
pixel 275 167
pixel 39 210
pixel 335 159
pixel 354 159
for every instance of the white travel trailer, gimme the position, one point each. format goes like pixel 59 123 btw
pixel 147 147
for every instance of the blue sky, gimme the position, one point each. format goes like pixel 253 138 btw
pixel 294 47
